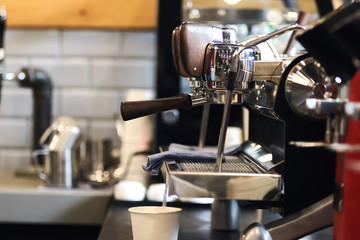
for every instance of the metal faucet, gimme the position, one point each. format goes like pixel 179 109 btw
pixel 40 84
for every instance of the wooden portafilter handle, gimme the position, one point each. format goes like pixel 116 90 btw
pixel 135 109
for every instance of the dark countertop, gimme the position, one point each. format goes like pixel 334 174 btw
pixel 195 222
pixel 117 223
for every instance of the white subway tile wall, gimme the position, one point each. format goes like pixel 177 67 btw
pixel 126 73
pixel 137 44
pixel 91 43
pixel 14 159
pixel 32 42
pixel 65 72
pixel 91 72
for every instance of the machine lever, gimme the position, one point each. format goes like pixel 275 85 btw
pixel 316 217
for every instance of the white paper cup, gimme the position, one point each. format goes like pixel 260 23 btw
pixel 155 222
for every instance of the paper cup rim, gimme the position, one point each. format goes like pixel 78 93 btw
pixel 154 210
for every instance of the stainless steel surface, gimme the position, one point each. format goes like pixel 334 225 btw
pixel 241 178
pixel 217 64
pixel 256 231
pixel 336 131
pixel 334 110
pixel 218 60
pixel 232 165
pixel 240 71
pixel 212 60
pixel 337 112
pixel 300 224
pixel 307 79
pixel 316 217
pixel 243 73
pixel 333 146
pixel 344 147
pixel 328 131
pixel 334 106
pixel 219 96
pixel 223 129
pixel 262 157
pixel 270 71
pixel 309 144
pixel 236 64
pixel 352 110
pixel 239 186
pixel 326 106
pixel 198 101
pixel 274 34
pixel 228 35
pixel 255 41
pixel 304 19
pixel 266 78
pixel 97 166
pixel 225 215
pixel 251 68
pixel 59 142
pixel 204 125
pixel 344 93
pixel 262 94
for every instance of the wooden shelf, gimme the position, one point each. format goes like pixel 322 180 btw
pixel 105 14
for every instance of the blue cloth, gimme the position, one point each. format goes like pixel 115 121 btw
pixel 184 153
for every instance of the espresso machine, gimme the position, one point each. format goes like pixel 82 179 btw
pixel 267 170
pixel 298 113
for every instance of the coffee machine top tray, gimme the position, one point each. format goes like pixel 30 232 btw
pixel 242 178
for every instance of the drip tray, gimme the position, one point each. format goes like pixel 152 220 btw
pixel 240 179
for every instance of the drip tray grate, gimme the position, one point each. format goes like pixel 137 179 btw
pixel 232 164
pixel 239 179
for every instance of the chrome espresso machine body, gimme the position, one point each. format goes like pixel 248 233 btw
pixel 268 170
pixel 304 124
pixel 282 176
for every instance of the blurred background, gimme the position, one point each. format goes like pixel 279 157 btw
pixel 92 64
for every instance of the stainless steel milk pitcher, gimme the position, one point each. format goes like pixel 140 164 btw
pixel 59 143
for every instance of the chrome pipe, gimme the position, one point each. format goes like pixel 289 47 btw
pixel 223 129
pixel 204 125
